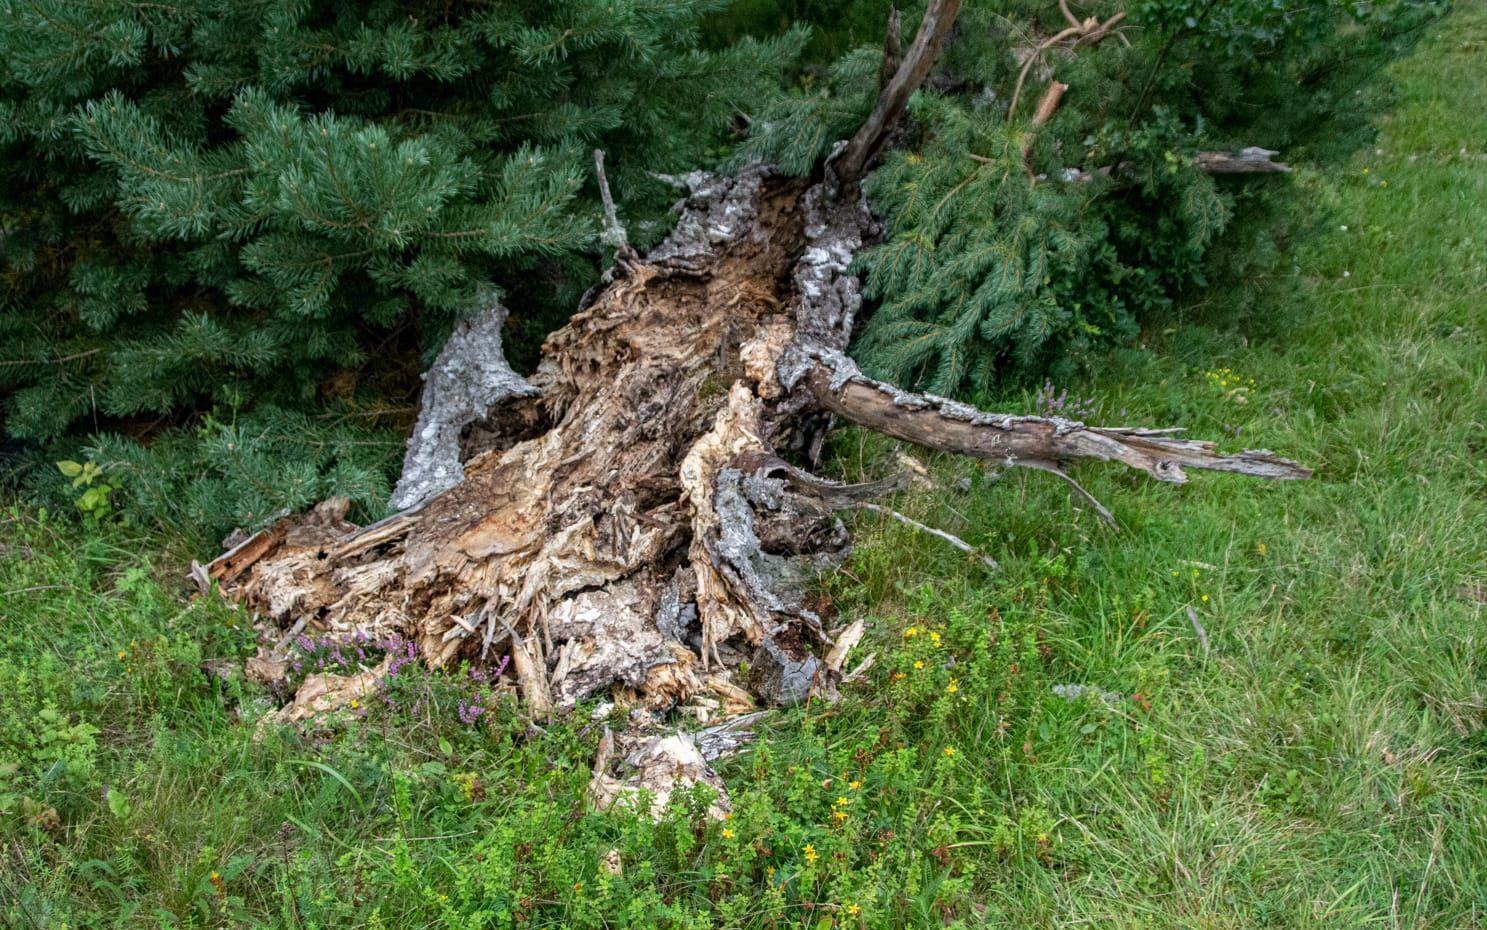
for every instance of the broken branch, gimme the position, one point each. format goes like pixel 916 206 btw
pixel 950 538
pixel 1250 160
pixel 1089 32
pixel 613 234
pixel 851 163
pixel 1032 441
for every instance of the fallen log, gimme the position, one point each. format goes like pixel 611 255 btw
pixel 628 522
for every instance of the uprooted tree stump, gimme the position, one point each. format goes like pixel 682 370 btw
pixel 628 520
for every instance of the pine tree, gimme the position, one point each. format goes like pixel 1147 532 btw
pixel 250 208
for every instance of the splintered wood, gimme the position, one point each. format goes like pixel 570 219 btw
pixel 626 522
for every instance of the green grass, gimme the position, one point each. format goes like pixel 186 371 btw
pixel 1323 763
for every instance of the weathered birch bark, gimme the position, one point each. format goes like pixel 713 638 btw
pixel 625 521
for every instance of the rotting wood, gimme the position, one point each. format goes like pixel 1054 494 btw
pixel 637 530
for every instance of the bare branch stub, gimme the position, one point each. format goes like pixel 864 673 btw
pixel 893 48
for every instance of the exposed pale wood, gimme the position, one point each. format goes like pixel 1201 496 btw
pixel 1048 103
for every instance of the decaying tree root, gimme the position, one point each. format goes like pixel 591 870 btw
pixel 625 521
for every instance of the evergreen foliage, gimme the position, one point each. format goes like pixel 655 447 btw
pixel 265 210
pixel 993 262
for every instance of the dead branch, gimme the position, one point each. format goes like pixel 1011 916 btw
pixel 950 538
pixel 614 234
pixel 1090 32
pixel 893 48
pixel 950 426
pixel 852 161
pixel 1250 160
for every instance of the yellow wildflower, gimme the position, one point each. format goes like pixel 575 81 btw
pixel 919 663
pixel 727 834
pixel 842 802
pixel 810 853
pixel 852 909
pixel 899 676
pixel 1205 599
pixel 952 687
pixel 855 785
pixel 578 886
pixel 949 751
pixel 122 654
pixel 840 816
pixel 1260 548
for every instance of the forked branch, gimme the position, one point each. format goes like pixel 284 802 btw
pixel 1088 32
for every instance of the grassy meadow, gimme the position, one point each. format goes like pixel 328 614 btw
pixel 1257 705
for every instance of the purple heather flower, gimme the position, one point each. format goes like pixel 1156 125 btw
pixel 469 713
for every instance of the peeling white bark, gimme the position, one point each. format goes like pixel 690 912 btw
pixel 469 377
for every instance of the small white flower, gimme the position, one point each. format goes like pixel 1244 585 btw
pixel 1347 274
pixel 1344 228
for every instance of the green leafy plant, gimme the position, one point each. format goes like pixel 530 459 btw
pixel 94 500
